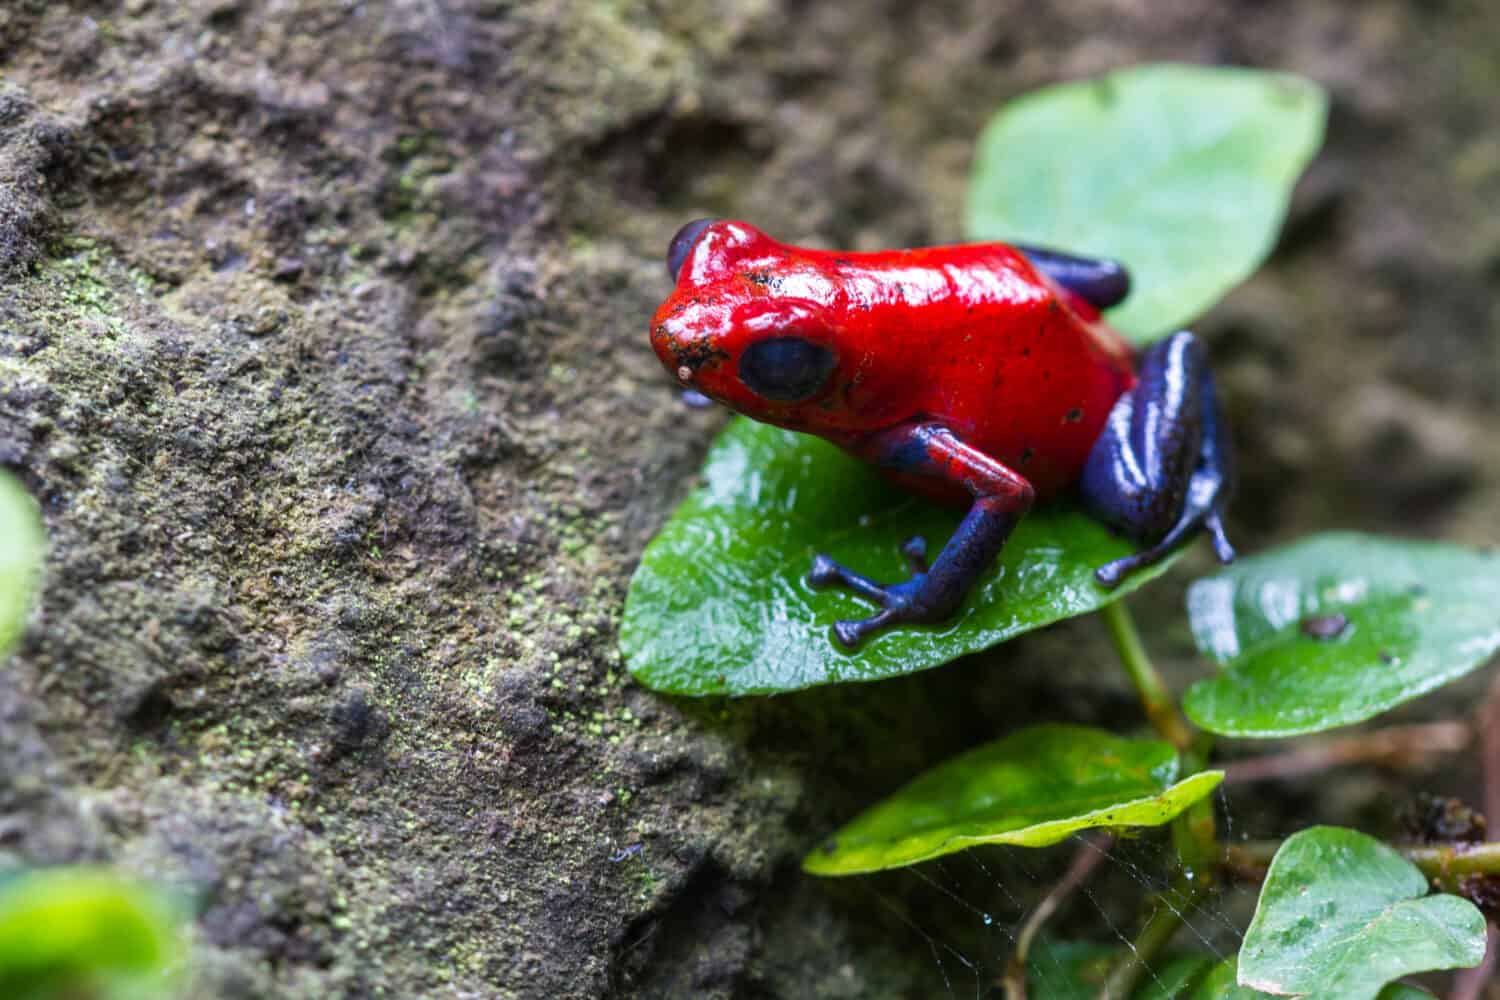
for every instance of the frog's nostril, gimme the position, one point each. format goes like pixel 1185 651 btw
pixel 677 250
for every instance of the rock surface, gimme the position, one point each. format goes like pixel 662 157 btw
pixel 322 344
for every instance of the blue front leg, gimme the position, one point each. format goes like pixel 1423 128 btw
pixel 934 594
pixel 1161 470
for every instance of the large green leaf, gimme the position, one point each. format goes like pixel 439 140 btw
pixel 21 544
pixel 1077 970
pixel 1341 914
pixel 1221 984
pixel 1181 172
pixel 75 932
pixel 1031 789
pixel 1338 628
pixel 720 605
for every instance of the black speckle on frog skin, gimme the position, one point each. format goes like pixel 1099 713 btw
pixel 696 355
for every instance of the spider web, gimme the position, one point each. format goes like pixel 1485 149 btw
pixel 967 910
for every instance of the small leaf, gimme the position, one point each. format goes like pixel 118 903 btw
pixel 1338 628
pixel 1031 789
pixel 21 544
pixel 84 932
pixel 1175 979
pixel 1221 984
pixel 1341 914
pixel 1077 970
pixel 1068 970
pixel 720 606
pixel 1181 172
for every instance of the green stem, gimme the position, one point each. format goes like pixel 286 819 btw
pixel 1161 710
pixel 1193 832
pixel 1154 936
pixel 1443 863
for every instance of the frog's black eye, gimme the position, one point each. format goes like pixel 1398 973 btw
pixel 677 250
pixel 786 369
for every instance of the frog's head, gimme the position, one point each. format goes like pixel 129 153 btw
pixel 744 325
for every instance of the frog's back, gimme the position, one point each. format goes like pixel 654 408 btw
pixel 1019 367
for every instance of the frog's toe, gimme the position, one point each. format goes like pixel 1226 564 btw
pixel 898 602
pixel 851 634
pixel 915 551
pixel 1111 573
pixel 1223 550
pixel 825 572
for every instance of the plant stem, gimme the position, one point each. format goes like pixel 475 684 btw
pixel 1439 862
pixel 1396 746
pixel 1093 850
pixel 1154 936
pixel 1469 984
pixel 1161 710
pixel 1193 832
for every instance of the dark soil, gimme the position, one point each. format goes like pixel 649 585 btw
pixel 322 343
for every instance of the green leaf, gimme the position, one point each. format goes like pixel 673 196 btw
pixel 84 932
pixel 21 544
pixel 720 606
pixel 1031 789
pixel 1077 970
pixel 1221 984
pixel 1414 616
pixel 1181 172
pixel 1341 914
pixel 1068 970
pixel 1175 979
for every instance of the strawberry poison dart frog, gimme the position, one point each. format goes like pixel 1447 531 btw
pixel 979 373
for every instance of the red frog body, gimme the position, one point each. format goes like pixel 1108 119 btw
pixel 980 372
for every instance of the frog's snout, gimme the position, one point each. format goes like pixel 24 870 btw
pixel 683 242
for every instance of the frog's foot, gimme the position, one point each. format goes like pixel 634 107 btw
pixel 1210 520
pixel 933 593
pixel 1161 469
pixel 899 602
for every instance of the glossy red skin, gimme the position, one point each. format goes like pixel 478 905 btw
pixel 969 336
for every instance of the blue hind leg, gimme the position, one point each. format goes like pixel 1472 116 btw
pixel 1161 470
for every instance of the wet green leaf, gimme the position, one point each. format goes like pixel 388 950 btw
pixel 1220 984
pixel 1033 788
pixel 1338 628
pixel 1341 914
pixel 1181 172
pixel 21 544
pixel 719 604
pixel 1077 970
pixel 75 932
